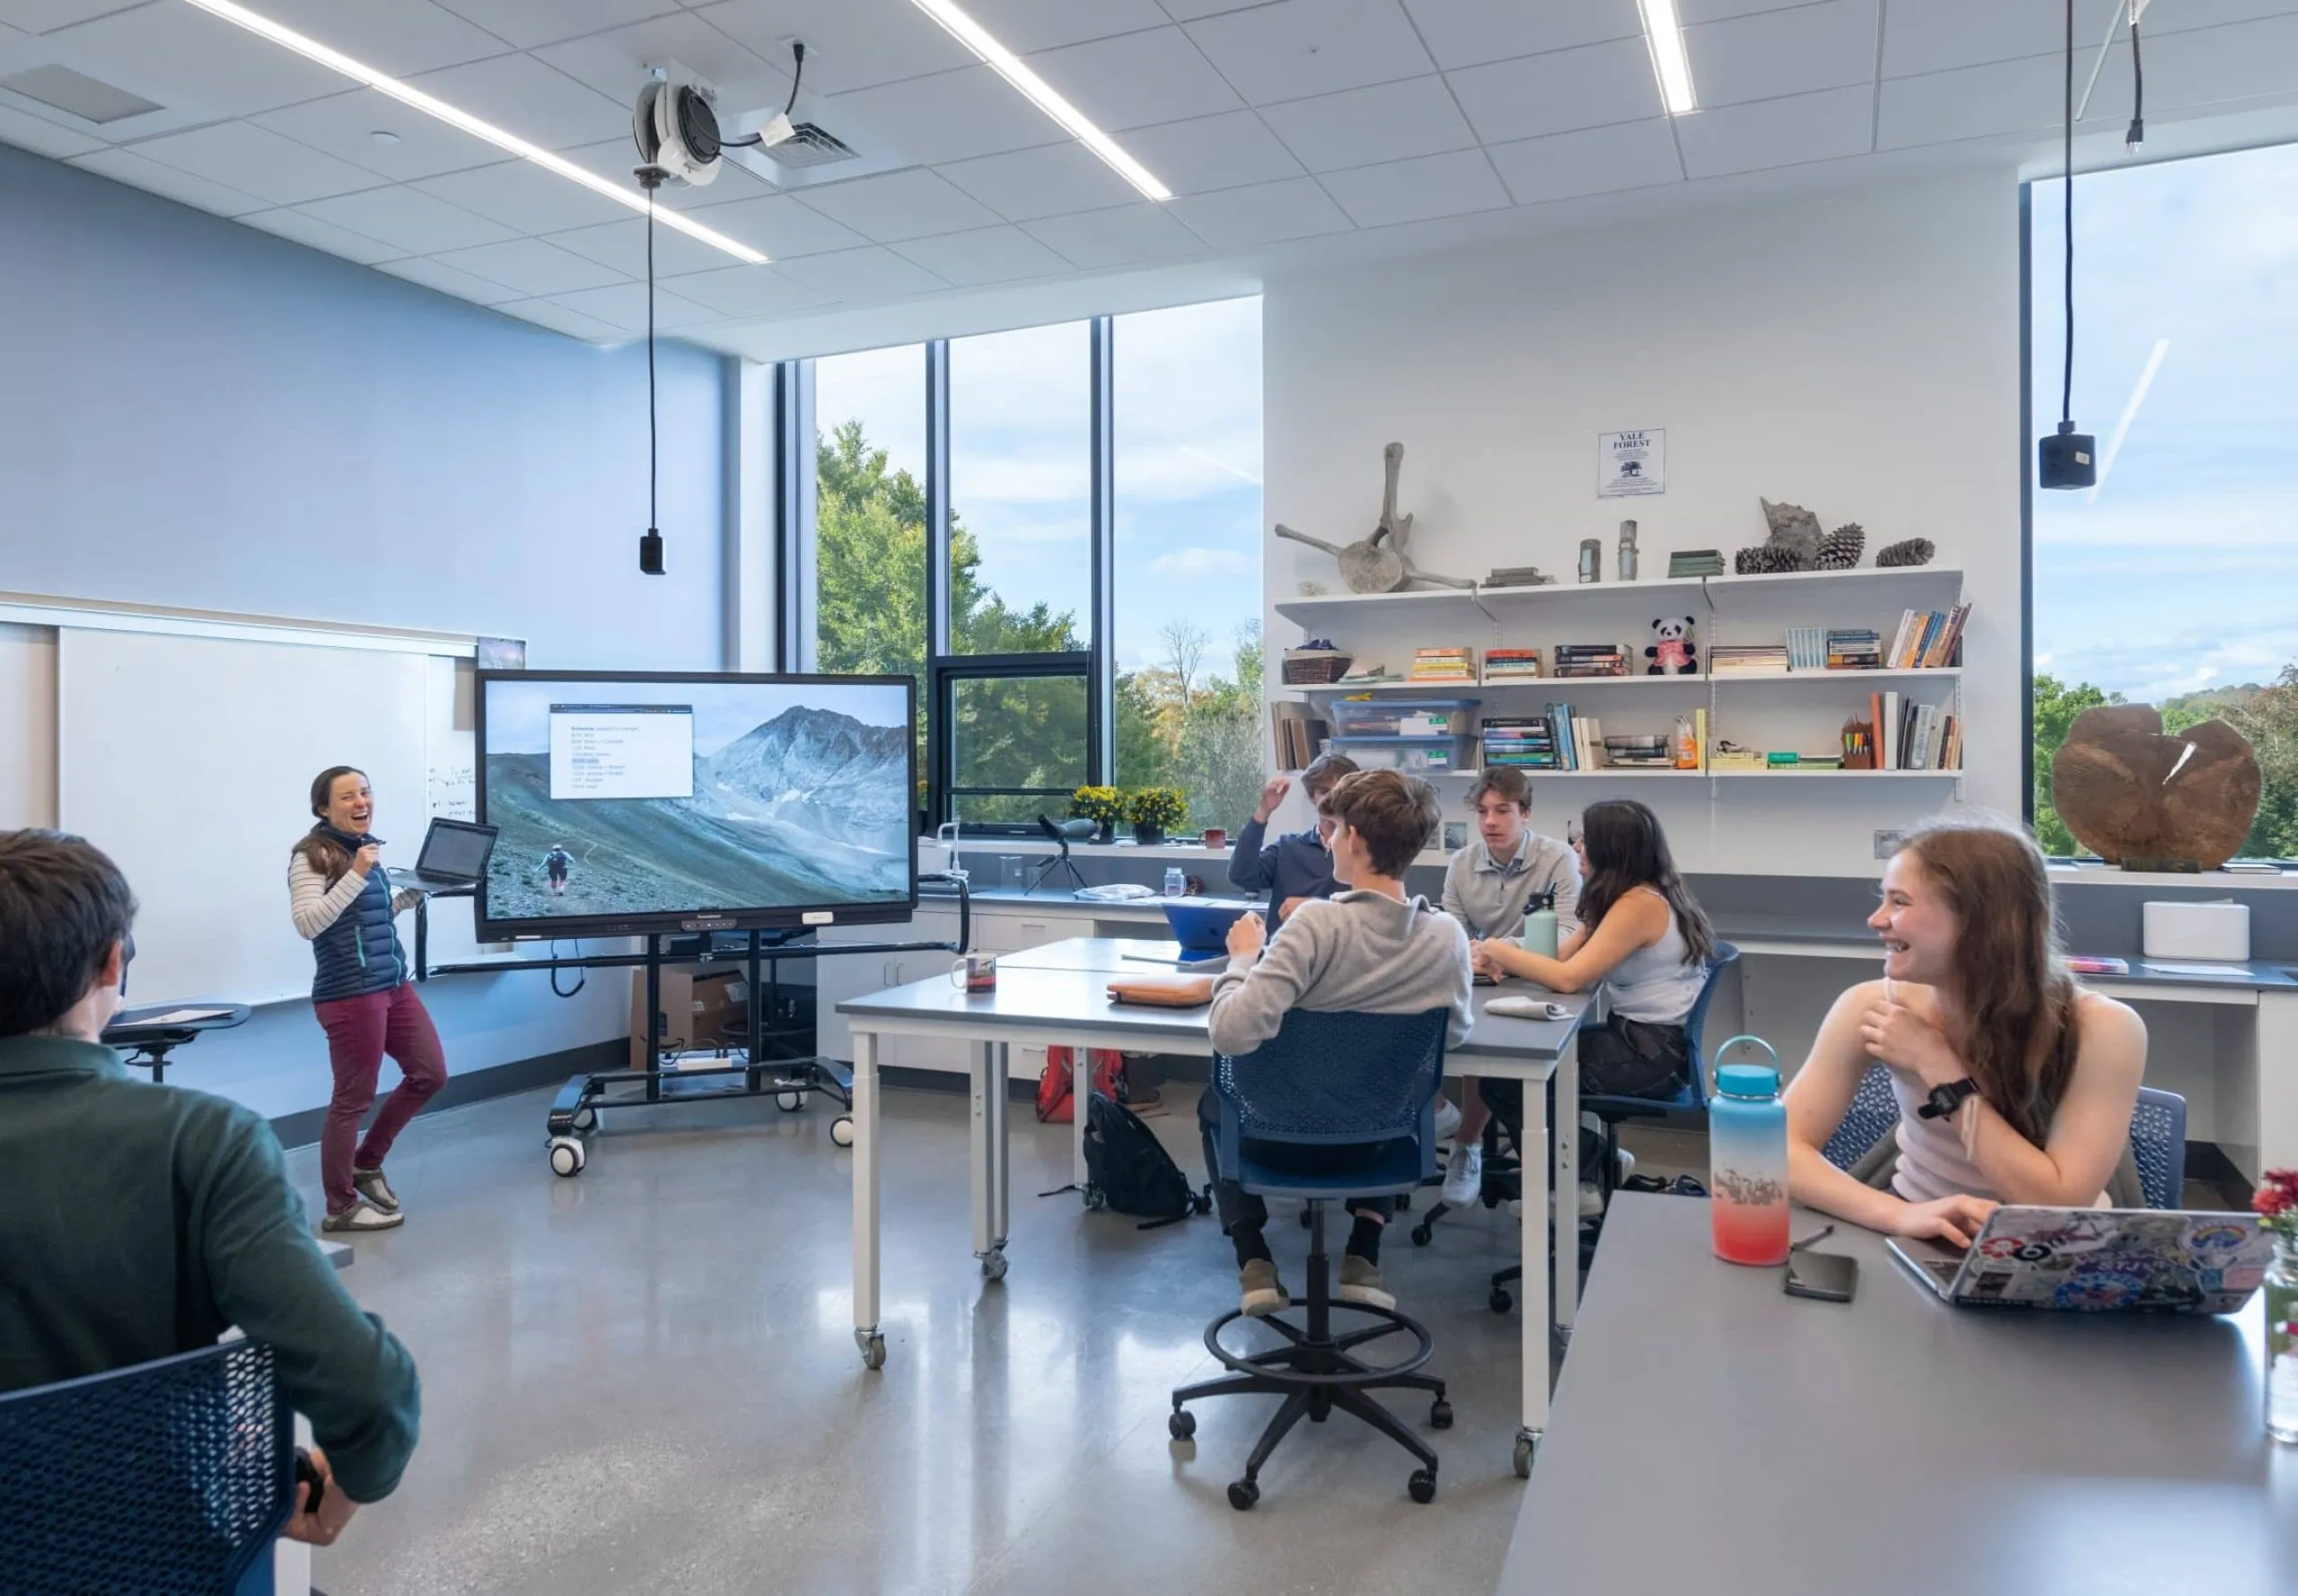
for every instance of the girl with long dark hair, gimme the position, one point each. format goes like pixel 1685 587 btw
pixel 364 994
pixel 1976 1017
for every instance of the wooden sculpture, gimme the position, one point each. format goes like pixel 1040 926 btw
pixel 1379 564
pixel 2131 794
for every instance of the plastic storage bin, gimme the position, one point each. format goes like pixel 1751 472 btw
pixel 1403 717
pixel 1416 755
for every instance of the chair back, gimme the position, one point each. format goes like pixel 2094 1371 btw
pixel 1874 1109
pixel 1333 1078
pixel 2158 1143
pixel 169 1478
pixel 1696 1022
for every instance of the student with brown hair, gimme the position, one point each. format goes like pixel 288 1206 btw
pixel 1295 867
pixel 2014 1084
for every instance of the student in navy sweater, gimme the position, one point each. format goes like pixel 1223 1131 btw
pixel 1298 865
pixel 364 994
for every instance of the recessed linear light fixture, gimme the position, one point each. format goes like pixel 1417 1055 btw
pixel 1040 94
pixel 430 106
pixel 1665 34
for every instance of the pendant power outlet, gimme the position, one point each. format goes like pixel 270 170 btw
pixel 1887 842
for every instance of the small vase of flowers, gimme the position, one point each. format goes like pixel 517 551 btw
pixel 2277 1203
pixel 1104 806
pixel 1153 811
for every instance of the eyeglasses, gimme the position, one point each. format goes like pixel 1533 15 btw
pixel 126 958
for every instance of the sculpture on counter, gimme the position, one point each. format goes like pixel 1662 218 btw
pixel 1840 549
pixel 1379 564
pixel 1914 551
pixel 2145 800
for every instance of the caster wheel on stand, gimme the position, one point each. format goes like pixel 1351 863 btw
pixel 1096 1199
pixel 993 1265
pixel 1243 1495
pixel 1182 1426
pixel 1423 1484
pixel 1523 1457
pixel 1500 1302
pixel 1440 1415
pixel 874 1349
pixel 567 1156
pixel 841 1131
pixel 586 1119
pixel 789 1102
pixel 1422 1235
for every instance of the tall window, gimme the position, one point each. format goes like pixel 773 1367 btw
pixel 1188 403
pixel 1021 490
pixel 2172 582
pixel 870 512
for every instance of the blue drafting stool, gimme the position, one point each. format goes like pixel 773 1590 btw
pixel 1330 1080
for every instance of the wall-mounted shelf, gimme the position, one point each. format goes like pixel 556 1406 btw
pixel 1551 684
pixel 1943 672
pixel 1792 774
pixel 1327 608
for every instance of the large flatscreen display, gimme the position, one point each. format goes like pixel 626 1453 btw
pixel 655 802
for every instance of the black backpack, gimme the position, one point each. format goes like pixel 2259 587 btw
pixel 1127 1169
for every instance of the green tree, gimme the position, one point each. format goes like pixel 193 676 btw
pixel 2268 717
pixel 2056 706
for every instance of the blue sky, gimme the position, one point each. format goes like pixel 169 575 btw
pixel 2180 573
pixel 1188 462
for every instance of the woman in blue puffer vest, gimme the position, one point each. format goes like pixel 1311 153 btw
pixel 364 995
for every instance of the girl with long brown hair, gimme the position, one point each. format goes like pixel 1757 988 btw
pixel 2028 1081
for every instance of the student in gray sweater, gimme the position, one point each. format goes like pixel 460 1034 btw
pixel 1369 949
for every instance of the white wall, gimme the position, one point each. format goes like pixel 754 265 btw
pixel 1858 353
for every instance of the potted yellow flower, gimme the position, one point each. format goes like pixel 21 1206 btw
pixel 1104 806
pixel 1154 810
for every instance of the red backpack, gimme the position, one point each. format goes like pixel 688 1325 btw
pixel 1056 1085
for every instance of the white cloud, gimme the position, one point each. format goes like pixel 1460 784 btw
pixel 1196 563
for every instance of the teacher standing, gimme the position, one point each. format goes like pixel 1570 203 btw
pixel 364 994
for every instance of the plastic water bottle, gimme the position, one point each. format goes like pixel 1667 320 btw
pixel 1747 1178
pixel 1540 927
pixel 1175 882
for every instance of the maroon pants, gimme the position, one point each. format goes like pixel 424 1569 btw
pixel 359 1031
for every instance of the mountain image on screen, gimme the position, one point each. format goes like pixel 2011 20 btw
pixel 810 808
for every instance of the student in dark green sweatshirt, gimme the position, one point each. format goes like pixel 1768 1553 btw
pixel 140 1221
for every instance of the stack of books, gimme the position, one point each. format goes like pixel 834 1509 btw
pixel 1526 742
pixel 1696 562
pixel 1807 648
pixel 1915 736
pixel 1854 648
pixel 1648 751
pixel 1517 576
pixel 1300 734
pixel 1928 639
pixel 1444 664
pixel 1512 664
pixel 1762 659
pixel 1590 659
pixel 1372 675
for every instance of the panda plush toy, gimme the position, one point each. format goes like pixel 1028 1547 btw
pixel 1672 652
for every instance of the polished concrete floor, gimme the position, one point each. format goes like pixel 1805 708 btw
pixel 644 1379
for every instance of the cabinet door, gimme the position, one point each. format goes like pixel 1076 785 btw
pixel 923 1052
pixel 836 978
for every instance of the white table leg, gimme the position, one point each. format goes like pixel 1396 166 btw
pixel 1566 1134
pixel 2275 1064
pixel 1001 1164
pixel 1081 1097
pixel 983 1056
pixel 866 1335
pixel 1534 1309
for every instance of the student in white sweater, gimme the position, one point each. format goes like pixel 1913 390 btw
pixel 1369 949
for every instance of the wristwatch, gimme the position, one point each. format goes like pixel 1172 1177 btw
pixel 1945 1100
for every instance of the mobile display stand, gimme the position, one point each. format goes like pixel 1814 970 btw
pixel 675 1071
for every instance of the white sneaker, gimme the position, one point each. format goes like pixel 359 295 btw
pixel 1448 1120
pixel 362 1215
pixel 1464 1175
pixel 1627 1167
pixel 1592 1201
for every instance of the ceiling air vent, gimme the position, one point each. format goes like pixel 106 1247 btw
pixel 808 144
pixel 77 94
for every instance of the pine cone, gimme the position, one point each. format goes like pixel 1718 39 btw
pixel 1840 549
pixel 1914 551
pixel 1748 562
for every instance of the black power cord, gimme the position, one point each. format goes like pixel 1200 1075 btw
pixel 2136 136
pixel 650 547
pixel 797 76
pixel 581 977
pixel 2067 380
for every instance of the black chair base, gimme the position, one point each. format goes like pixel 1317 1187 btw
pixel 1317 1373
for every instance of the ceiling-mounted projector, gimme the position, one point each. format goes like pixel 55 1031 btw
pixel 676 126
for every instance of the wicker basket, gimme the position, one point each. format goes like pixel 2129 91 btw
pixel 1315 667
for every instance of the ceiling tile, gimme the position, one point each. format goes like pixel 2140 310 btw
pixel 1388 122
pixel 1123 236
pixel 780 225
pixel 543 312
pixel 201 61
pixel 985 255
pixel 409 218
pixel 615 158
pixel 1212 152
pixel 624 305
pixel 401 37
pixel 1976 101
pixel 1767 133
pixel 899 205
pixel 2213 13
pixel 2211 65
pixel 523 197
pixel 39 16
pixel 447 279
pixel 126 166
pixel 521 95
pixel 43 137
pixel 1692 13
pixel 1264 214
pixel 615 62
pixel 1592 86
pixel 951 116
pixel 1186 11
pixel 1298 47
pixel 323 235
pixel 1417 190
pixel 531 266
pixel 1938 35
pixel 1464 32
pixel 749 291
pixel 850 44
pixel 873 273
pixel 244 155
pixel 1138 78
pixel 529 23
pixel 1022 26
pixel 1829 46
pixel 1591 161
pixel 1050 180
pixel 622 246
pixel 345 125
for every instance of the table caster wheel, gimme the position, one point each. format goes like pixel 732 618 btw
pixel 567 1156
pixel 1243 1495
pixel 993 1265
pixel 1202 1202
pixel 1440 1415
pixel 1305 1219
pixel 789 1102
pixel 1182 1426
pixel 841 1131
pixel 1523 1457
pixel 1500 1302
pixel 1096 1199
pixel 1423 1484
pixel 586 1117
pixel 874 1349
pixel 1422 1235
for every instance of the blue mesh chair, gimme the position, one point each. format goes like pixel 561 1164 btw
pixel 1328 1080
pixel 169 1478
pixel 1875 1111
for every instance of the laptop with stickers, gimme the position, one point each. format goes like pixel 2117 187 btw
pixel 2099 1260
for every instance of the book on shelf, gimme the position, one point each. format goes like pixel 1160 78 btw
pixel 1300 734
pixel 1853 648
pixel 1369 676
pixel 1512 664
pixel 1590 659
pixel 1736 659
pixel 1807 648
pixel 1696 562
pixel 1699 738
pixel 1928 639
pixel 1444 664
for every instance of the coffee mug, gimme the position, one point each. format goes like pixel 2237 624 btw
pixel 976 972
pixel 1215 838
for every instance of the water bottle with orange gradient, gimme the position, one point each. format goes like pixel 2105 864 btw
pixel 1747 1149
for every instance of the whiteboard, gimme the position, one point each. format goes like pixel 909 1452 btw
pixel 189 761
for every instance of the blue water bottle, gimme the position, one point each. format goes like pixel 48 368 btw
pixel 1747 1149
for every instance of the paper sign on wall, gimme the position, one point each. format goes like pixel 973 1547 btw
pixel 1629 465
